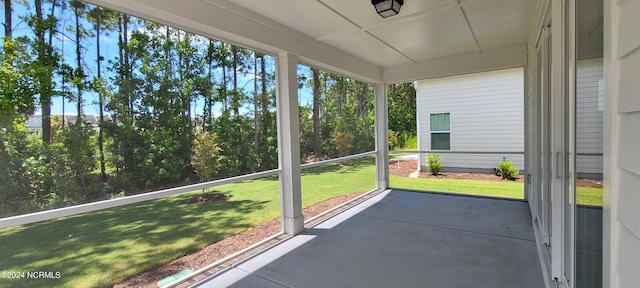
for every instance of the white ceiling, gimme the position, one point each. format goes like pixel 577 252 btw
pixel 429 38
pixel 424 29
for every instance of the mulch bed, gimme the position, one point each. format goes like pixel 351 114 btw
pixel 208 197
pixel 406 167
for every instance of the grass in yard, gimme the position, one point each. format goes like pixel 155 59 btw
pixel 101 248
pixel 589 196
pixel 331 180
pixel 505 189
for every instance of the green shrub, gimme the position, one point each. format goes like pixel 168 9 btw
pixel 205 155
pixel 506 170
pixel 394 140
pixel 409 141
pixel 434 163
pixel 343 142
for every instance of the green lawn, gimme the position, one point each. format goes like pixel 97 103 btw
pixel 506 189
pixel 101 248
pixel 589 196
pixel 322 183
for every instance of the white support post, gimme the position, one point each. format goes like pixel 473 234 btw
pixel 382 138
pixel 422 157
pixel 289 144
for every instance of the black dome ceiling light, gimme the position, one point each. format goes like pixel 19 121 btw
pixel 387 8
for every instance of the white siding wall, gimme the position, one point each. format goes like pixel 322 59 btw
pixel 622 195
pixel 486 116
pixel 589 111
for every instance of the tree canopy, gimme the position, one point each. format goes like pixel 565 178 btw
pixel 173 107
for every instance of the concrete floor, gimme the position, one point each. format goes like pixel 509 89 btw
pixel 403 239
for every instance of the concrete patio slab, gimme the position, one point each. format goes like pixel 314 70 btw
pixel 467 213
pixel 403 239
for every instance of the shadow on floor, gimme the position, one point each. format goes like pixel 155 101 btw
pixel 403 239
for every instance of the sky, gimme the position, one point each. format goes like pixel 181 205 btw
pixel 109 50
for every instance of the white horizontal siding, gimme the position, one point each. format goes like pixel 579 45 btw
pixel 630 139
pixel 628 208
pixel 589 109
pixel 589 164
pixel 628 199
pixel 629 254
pixel 625 241
pixel 629 39
pixel 629 82
pixel 487 115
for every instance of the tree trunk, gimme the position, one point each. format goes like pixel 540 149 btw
pixel 122 77
pixel 225 95
pixel 182 70
pixel 209 97
pixel 127 65
pixel 236 102
pixel 45 85
pixel 103 173
pixel 265 99
pixel 186 67
pixel 121 39
pixel 79 73
pixel 317 144
pixel 362 100
pixel 7 19
pixel 256 116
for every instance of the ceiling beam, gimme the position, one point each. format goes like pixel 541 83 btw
pixel 392 47
pixel 488 60
pixel 463 17
pixel 360 28
pixel 340 14
pixel 390 20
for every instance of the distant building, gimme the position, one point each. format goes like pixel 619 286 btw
pixel 472 121
pixel 34 123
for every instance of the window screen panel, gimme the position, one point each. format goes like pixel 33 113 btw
pixel 440 141
pixel 440 122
